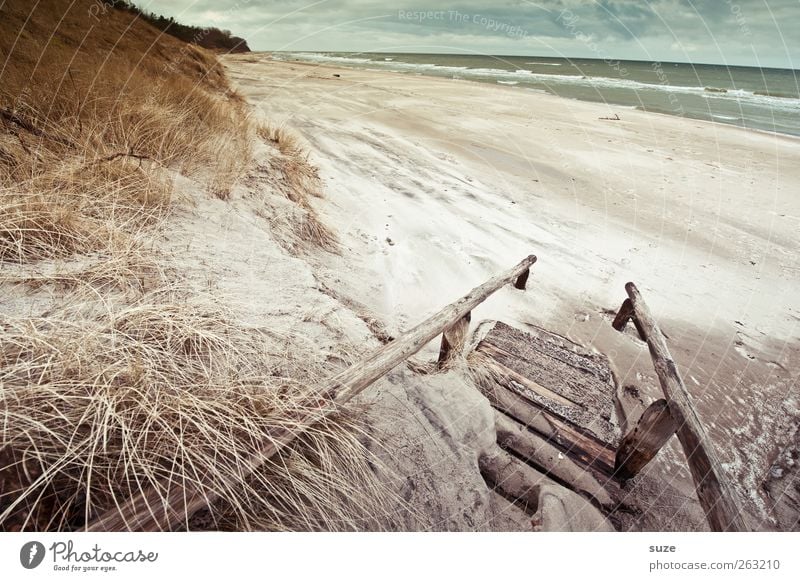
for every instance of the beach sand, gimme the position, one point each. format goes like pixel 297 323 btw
pixel 433 185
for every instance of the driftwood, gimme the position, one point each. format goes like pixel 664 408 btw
pixel 119 154
pixel 554 415
pixel 624 315
pixel 517 382
pixel 154 510
pixel 551 507
pixel 715 494
pixel 641 445
pixel 522 280
pixel 549 460
pixel 12 117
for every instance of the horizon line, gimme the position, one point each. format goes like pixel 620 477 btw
pixel 694 63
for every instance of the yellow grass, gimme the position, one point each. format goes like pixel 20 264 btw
pixel 113 392
pixel 299 181
pixel 95 108
pixel 94 409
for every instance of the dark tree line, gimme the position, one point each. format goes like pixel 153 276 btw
pixel 208 37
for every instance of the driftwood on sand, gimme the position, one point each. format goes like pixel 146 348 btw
pixel 523 442
pixel 153 509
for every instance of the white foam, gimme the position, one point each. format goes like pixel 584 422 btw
pixel 525 75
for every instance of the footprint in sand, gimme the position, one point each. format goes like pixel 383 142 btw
pixel 739 346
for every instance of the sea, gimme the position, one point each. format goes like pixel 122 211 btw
pixel 766 99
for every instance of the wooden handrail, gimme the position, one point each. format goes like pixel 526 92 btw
pixel 154 510
pixel 715 494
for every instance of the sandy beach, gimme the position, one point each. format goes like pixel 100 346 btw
pixel 433 185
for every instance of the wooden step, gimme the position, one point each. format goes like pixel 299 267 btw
pixel 561 378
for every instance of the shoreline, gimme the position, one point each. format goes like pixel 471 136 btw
pixel 533 90
pixel 579 107
pixel 536 57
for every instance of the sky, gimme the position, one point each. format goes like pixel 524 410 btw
pixel 734 32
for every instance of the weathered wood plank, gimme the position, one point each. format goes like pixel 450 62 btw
pixel 171 504
pixel 586 421
pixel 555 374
pixel 549 460
pixel 641 444
pixel 713 490
pixel 525 386
pixel 535 341
pixel 582 447
pixel 552 507
pixel 577 376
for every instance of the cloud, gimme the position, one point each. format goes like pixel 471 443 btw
pixel 722 31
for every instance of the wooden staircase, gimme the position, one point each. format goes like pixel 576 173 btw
pixel 555 416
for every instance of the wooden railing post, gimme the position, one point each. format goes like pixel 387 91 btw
pixel 171 504
pixel 715 494
pixel 522 279
pixel 641 444
pixel 453 340
pixel 624 315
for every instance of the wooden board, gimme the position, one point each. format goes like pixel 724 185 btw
pixel 562 379
pixel 585 450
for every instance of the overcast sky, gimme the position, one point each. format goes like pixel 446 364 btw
pixel 749 32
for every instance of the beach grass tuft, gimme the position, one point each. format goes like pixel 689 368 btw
pixel 96 408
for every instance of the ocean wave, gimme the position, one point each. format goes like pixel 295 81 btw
pixel 775 94
pixel 520 74
pixel 321 57
pixel 759 97
pixel 787 102
pixel 546 64
pixel 756 98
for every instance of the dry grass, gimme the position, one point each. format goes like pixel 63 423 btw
pixel 117 177
pixel 284 139
pixel 96 119
pixel 132 272
pixel 96 410
pixel 113 392
pixel 298 180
